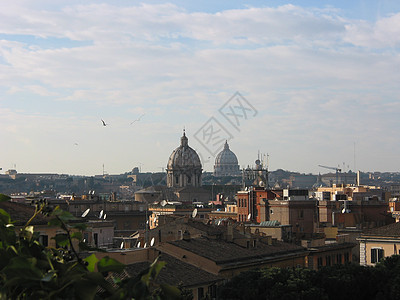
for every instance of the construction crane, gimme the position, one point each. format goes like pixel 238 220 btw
pixel 338 170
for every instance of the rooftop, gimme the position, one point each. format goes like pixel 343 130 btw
pixel 175 272
pixel 221 251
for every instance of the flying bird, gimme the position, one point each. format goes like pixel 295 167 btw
pixel 75 144
pixel 138 119
pixel 104 123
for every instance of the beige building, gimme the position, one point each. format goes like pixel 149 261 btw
pixel 378 243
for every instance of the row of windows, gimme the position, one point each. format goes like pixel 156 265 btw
pixel 333 259
pixel 242 202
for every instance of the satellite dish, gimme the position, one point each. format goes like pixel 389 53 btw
pixel 152 242
pixel 138 244
pixel 122 245
pixel 163 203
pixel 194 213
pixel 85 213
pixel 105 216
pixel 248 216
pixel 101 214
pixel 145 245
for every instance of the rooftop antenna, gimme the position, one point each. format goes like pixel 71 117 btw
pixel 355 170
pixel 85 213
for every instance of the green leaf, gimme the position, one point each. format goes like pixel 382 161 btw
pixel 55 222
pixel 61 239
pixel 4 198
pixel 64 216
pixel 170 292
pixel 29 229
pixel 76 235
pixel 49 276
pixel 107 264
pixel 92 260
pixel 85 289
pixel 4 216
pixel 155 268
pixel 23 268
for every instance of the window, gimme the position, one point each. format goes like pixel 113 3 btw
pixel 176 179
pixel 212 291
pixel 339 258
pixel 320 264
pixel 96 239
pixel 346 257
pixel 301 214
pixel 376 255
pixel 189 179
pixel 328 260
pixel 200 293
pixel 44 240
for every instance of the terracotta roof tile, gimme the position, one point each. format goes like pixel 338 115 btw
pixel 21 213
pixel 221 251
pixel 175 272
pixel 392 230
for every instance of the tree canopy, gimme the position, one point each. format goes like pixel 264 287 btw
pixel 29 270
pixel 343 282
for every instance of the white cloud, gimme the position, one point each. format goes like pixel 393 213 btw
pixel 310 73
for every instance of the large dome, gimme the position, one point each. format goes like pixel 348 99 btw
pixel 184 166
pixel 226 162
pixel 226 157
pixel 183 156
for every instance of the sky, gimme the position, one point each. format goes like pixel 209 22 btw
pixel 298 84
